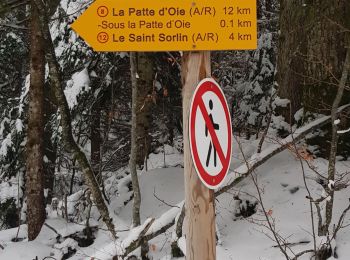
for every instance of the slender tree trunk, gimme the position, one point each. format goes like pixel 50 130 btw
pixel 35 171
pixel 96 139
pixel 139 126
pixel 144 101
pixel 324 229
pixel 50 149
pixel 67 136
pixel 133 155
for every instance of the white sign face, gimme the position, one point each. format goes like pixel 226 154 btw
pixel 210 133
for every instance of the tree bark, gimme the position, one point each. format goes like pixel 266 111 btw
pixel 133 154
pixel 199 200
pixel 136 129
pixel 96 139
pixel 291 45
pixel 145 73
pixel 50 148
pixel 35 147
pixel 311 52
pixel 67 136
pixel 326 49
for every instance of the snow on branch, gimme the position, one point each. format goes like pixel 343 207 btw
pixel 343 131
pixel 150 229
pixel 13 26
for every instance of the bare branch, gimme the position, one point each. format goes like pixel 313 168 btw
pixel 302 253
pixel 270 224
pixel 155 195
pixel 307 189
pixel 341 220
pixel 269 119
pixel 139 240
pixel 13 26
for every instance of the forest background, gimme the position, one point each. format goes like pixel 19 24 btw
pixel 78 128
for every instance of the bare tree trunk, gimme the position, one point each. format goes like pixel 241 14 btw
pixel 291 45
pixel 136 218
pixel 50 149
pixel 144 101
pixel 324 229
pixel 69 142
pixel 133 154
pixel 96 139
pixel 35 147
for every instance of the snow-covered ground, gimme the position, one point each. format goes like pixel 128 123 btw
pixel 284 197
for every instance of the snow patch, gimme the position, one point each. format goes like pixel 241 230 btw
pixel 25 251
pixel 79 83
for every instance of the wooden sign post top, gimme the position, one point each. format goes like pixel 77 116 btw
pixel 171 25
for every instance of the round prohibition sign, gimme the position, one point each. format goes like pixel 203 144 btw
pixel 210 133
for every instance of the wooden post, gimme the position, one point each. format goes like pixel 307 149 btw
pixel 199 200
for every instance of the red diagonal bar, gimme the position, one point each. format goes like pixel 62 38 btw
pixel 212 132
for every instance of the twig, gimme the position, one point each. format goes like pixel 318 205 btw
pixel 337 24
pixel 13 26
pixel 155 195
pixel 302 253
pixel 277 240
pixel 306 187
pixel 294 244
pixel 269 119
pixel 53 229
pixel 174 59
pixel 66 207
pixel 341 220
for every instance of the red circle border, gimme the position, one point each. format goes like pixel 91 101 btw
pixel 204 86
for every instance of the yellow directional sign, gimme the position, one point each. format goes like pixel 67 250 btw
pixel 169 25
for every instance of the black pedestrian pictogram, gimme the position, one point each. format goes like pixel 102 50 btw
pixel 216 127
